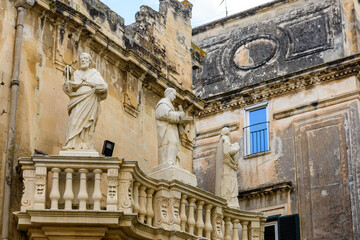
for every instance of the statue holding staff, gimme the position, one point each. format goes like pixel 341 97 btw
pixel 85 88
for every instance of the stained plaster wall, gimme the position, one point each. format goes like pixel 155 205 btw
pixel 327 157
pixel 55 35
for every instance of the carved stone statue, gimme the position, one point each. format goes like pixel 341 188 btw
pixel 170 127
pixel 85 88
pixel 169 123
pixel 227 158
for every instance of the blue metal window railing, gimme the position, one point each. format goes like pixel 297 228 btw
pixel 256 138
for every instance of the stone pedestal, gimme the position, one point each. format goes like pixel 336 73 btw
pixel 167 210
pixel 83 153
pixel 171 172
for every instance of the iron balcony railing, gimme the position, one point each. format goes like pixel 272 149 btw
pixel 256 138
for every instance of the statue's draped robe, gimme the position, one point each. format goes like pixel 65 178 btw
pixel 227 157
pixel 84 107
pixel 167 120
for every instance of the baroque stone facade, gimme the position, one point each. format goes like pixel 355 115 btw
pixel 298 62
pixel 38 39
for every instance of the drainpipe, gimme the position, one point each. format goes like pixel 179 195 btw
pixel 21 6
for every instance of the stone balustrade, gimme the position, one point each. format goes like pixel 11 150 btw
pixel 71 186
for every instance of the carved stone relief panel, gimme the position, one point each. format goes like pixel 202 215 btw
pixel 216 221
pixel 40 187
pixel 308 36
pixel 27 200
pixel 166 208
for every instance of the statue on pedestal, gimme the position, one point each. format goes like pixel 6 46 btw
pixel 170 127
pixel 169 123
pixel 85 88
pixel 227 159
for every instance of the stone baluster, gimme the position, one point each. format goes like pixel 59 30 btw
pixel 149 206
pixel 183 218
pixel 227 228
pixel 208 225
pixel 235 223
pixel 68 194
pixel 136 197
pixel 244 234
pixel 199 219
pixel 97 189
pixel 55 193
pixel 83 195
pixel 112 192
pixel 142 203
pixel 191 217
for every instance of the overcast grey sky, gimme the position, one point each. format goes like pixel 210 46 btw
pixel 204 11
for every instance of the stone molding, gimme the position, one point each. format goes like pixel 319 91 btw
pixel 311 77
pixel 215 131
pixel 307 107
pixel 266 190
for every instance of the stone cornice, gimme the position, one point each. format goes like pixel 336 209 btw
pixel 335 70
pixel 310 106
pixel 266 190
pixel 216 131
pixel 109 45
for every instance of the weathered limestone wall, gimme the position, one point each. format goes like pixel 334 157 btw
pixel 6 49
pixel 55 33
pixel 273 40
pixel 167 33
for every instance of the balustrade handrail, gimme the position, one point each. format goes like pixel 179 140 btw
pixel 182 187
pixel 169 205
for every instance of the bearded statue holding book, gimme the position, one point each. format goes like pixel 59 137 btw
pixel 85 88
